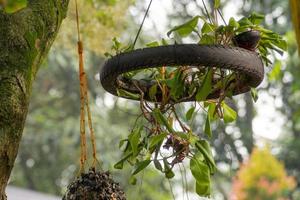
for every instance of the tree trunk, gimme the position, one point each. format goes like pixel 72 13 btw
pixel 295 8
pixel 25 39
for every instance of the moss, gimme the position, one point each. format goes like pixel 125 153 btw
pixel 15 5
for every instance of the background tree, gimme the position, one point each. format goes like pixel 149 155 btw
pixel 262 177
pixel 295 7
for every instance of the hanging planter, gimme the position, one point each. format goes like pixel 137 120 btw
pixel 93 184
pixel 227 60
pixel 243 63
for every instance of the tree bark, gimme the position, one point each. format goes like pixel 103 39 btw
pixel 25 39
pixel 295 8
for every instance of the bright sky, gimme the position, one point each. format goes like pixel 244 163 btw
pixel 268 123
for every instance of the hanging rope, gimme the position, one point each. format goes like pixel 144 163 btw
pixel 207 13
pixel 220 13
pixel 84 104
pixel 142 24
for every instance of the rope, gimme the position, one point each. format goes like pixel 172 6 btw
pixel 220 13
pixel 77 21
pixel 142 24
pixel 207 13
pixel 84 103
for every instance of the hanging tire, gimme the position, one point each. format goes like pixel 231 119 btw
pixel 242 61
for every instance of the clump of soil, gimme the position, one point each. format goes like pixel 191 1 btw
pixel 94 186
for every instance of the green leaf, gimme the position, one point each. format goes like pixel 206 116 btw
pixel 233 23
pixel 211 110
pixel 272 40
pixel 276 49
pixel 204 148
pixel 217 4
pixel 169 174
pixel 164 42
pixel 140 166
pixel 124 93
pixel 116 44
pixel 162 120
pixel 207 129
pixel 190 113
pixel 203 188
pixel 256 18
pixel 206 87
pixel 185 29
pixel 229 114
pixel 220 30
pixel 134 139
pixel 200 172
pixel 182 135
pixel 193 139
pixel 127 48
pixel 282 44
pixel 276 71
pixel 207 28
pixel 207 39
pixel 120 164
pixel 254 94
pixel 158 116
pixel 153 91
pixel 266 60
pixel 177 84
pixel 108 55
pixel 132 180
pixel 245 22
pixel 275 40
pixel 154 140
pixel 153 44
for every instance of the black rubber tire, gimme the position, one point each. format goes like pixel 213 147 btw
pixel 237 59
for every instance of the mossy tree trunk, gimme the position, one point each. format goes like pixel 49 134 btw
pixel 25 39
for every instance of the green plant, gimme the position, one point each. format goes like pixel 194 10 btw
pixel 162 135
